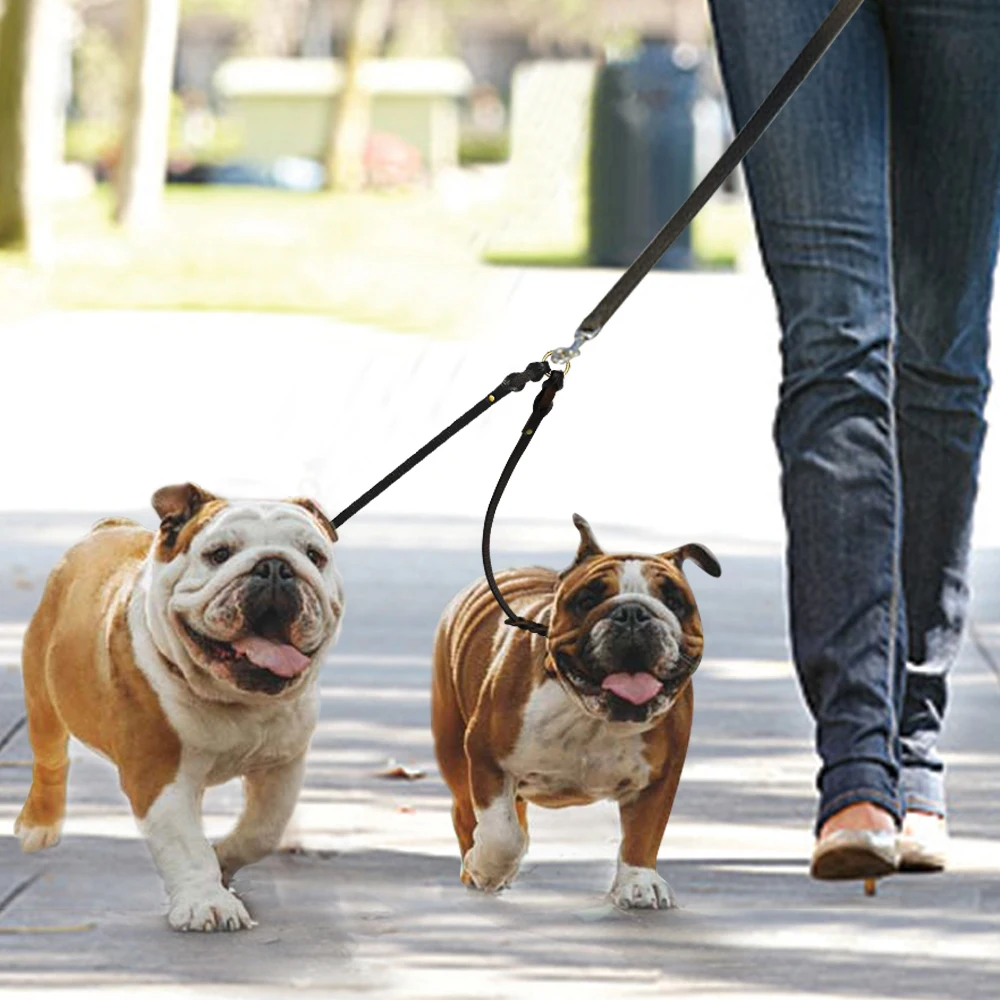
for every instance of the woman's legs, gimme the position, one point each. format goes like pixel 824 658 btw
pixel 945 169
pixel 819 184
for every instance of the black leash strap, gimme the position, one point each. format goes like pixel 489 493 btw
pixel 514 382
pixel 747 138
pixel 539 411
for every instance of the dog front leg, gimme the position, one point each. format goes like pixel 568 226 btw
pixel 270 797
pixel 644 820
pixel 187 864
pixel 499 841
pixel 637 884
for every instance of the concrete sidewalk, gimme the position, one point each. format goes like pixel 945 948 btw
pixel 664 425
pixel 370 902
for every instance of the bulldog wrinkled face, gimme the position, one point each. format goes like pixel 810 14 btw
pixel 243 595
pixel 625 634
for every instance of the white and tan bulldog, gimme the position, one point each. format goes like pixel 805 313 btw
pixel 187 657
pixel 600 709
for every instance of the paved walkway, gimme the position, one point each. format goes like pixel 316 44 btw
pixel 665 423
pixel 371 902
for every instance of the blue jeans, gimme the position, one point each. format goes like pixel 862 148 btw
pixel 876 196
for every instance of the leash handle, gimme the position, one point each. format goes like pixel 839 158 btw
pixel 539 410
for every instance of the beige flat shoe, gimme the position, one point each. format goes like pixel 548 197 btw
pixel 923 844
pixel 855 854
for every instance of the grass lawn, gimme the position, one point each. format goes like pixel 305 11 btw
pixel 400 261
pixel 397 260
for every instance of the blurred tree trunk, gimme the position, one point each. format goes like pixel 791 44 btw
pixel 345 159
pixel 152 44
pixel 421 30
pixel 27 124
pixel 278 27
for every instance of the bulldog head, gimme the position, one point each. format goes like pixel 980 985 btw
pixel 242 596
pixel 625 634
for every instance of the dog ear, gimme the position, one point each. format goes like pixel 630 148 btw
pixel 698 553
pixel 176 505
pixel 588 543
pixel 317 512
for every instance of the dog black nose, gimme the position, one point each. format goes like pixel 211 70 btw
pixel 632 613
pixel 273 569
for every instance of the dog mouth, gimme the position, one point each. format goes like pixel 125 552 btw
pixel 636 689
pixel 262 660
pixel 625 695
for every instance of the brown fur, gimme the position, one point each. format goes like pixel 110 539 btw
pixel 317 512
pixel 80 676
pixel 476 719
pixel 478 699
pixel 173 541
pixel 567 630
pixel 183 509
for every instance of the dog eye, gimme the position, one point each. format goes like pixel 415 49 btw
pixel 674 600
pixel 219 556
pixel 588 599
pixel 316 557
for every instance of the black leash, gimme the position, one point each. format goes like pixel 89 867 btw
pixel 745 140
pixel 514 382
pixel 539 410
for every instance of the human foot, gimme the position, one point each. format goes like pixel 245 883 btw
pixel 859 841
pixel 859 816
pixel 923 843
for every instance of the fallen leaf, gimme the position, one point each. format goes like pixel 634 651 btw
pixel 393 769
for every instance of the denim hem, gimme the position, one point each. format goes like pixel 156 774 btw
pixel 923 790
pixel 858 781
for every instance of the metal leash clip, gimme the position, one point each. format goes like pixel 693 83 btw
pixel 563 355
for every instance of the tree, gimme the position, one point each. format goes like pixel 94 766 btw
pixel 349 133
pixel 152 44
pixel 28 140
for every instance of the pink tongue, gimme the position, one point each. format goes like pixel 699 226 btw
pixel 278 657
pixel 636 688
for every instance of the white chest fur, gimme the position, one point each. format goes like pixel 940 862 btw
pixel 222 741
pixel 228 744
pixel 562 752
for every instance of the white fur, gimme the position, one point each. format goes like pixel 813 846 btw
pixel 37 838
pixel 640 889
pixel 187 864
pixel 220 742
pixel 224 740
pixel 223 733
pixel 186 586
pixel 633 581
pixel 498 845
pixel 561 748
pixel 270 800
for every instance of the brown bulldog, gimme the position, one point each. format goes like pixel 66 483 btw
pixel 600 709
pixel 186 657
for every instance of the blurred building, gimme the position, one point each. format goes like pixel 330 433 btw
pixel 490 36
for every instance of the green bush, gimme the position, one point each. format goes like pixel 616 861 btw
pixel 483 147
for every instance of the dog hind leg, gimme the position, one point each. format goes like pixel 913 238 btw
pixel 39 824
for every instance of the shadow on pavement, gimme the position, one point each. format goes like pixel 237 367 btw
pixel 380 907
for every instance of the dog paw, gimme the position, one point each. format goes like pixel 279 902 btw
pixel 641 889
pixel 490 874
pixel 37 838
pixel 211 909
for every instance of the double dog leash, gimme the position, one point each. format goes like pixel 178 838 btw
pixel 553 377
